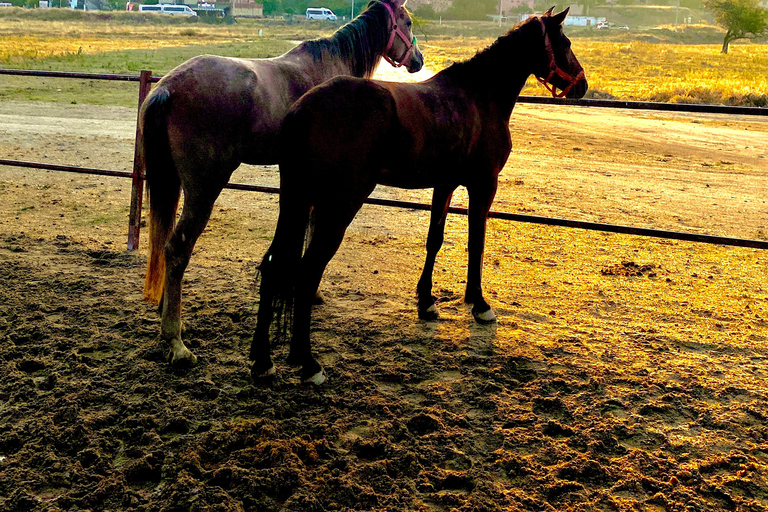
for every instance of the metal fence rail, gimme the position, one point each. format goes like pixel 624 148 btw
pixel 146 78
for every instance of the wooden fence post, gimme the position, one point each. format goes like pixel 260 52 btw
pixel 137 188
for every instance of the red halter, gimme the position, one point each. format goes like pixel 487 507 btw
pixel 554 70
pixel 409 43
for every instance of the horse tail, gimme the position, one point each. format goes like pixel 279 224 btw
pixel 163 186
pixel 279 268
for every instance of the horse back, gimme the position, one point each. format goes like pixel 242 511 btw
pixel 344 123
pixel 232 108
pixel 445 132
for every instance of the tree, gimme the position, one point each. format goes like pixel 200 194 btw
pixel 426 12
pixel 472 9
pixel 740 18
pixel 586 4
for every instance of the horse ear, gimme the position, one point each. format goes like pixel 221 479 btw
pixel 549 11
pixel 560 17
pixel 398 3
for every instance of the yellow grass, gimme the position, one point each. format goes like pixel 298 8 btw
pixel 628 71
pixel 51 38
pixel 646 71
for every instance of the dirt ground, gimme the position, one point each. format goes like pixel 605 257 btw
pixel 624 373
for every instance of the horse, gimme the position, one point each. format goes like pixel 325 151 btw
pixel 450 130
pixel 211 113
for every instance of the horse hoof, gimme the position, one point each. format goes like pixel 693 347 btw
pixel 317 379
pixel 185 359
pixel 429 314
pixel 267 375
pixel 486 317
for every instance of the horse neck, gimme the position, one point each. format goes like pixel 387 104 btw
pixel 500 71
pixel 355 49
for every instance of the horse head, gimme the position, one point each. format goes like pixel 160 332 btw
pixel 402 49
pixel 559 67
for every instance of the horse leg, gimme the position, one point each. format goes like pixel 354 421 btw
pixel 441 199
pixel 319 299
pixel 261 349
pixel 277 267
pixel 480 200
pixel 330 226
pixel 178 249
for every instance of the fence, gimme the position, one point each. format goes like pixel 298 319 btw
pixel 145 79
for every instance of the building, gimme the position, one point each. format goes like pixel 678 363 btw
pixel 508 7
pixel 437 5
pixel 247 9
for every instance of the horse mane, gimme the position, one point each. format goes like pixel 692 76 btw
pixel 361 41
pixel 487 57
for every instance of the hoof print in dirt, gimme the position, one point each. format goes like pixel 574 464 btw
pixel 423 424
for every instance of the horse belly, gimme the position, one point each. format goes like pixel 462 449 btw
pixel 415 177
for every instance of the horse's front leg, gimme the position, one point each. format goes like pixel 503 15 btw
pixel 480 200
pixel 441 199
pixel 331 222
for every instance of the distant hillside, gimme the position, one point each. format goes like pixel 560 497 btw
pixel 651 16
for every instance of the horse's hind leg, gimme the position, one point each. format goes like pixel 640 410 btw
pixel 441 199
pixel 261 349
pixel 194 217
pixel 480 200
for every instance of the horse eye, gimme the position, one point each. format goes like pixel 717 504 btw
pixel 408 23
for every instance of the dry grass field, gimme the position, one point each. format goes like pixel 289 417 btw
pixel 629 70
pixel 624 374
pixel 643 71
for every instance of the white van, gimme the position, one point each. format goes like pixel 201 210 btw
pixel 320 13
pixel 183 10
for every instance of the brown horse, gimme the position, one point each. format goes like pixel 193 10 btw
pixel 210 114
pixel 448 131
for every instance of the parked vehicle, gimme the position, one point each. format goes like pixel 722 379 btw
pixel 321 13
pixel 179 10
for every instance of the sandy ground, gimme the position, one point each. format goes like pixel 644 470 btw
pixel 624 373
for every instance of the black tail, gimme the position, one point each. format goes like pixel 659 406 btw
pixel 279 267
pixel 163 186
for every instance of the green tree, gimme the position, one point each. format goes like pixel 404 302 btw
pixel 740 18
pixel 472 9
pixel 426 11
pixel 587 4
pixel 272 6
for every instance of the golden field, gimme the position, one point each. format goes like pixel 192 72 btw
pixel 644 71
pixel 632 70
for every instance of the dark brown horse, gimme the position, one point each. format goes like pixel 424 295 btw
pixel 448 131
pixel 210 114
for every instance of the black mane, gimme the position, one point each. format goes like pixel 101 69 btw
pixel 361 41
pixel 497 54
